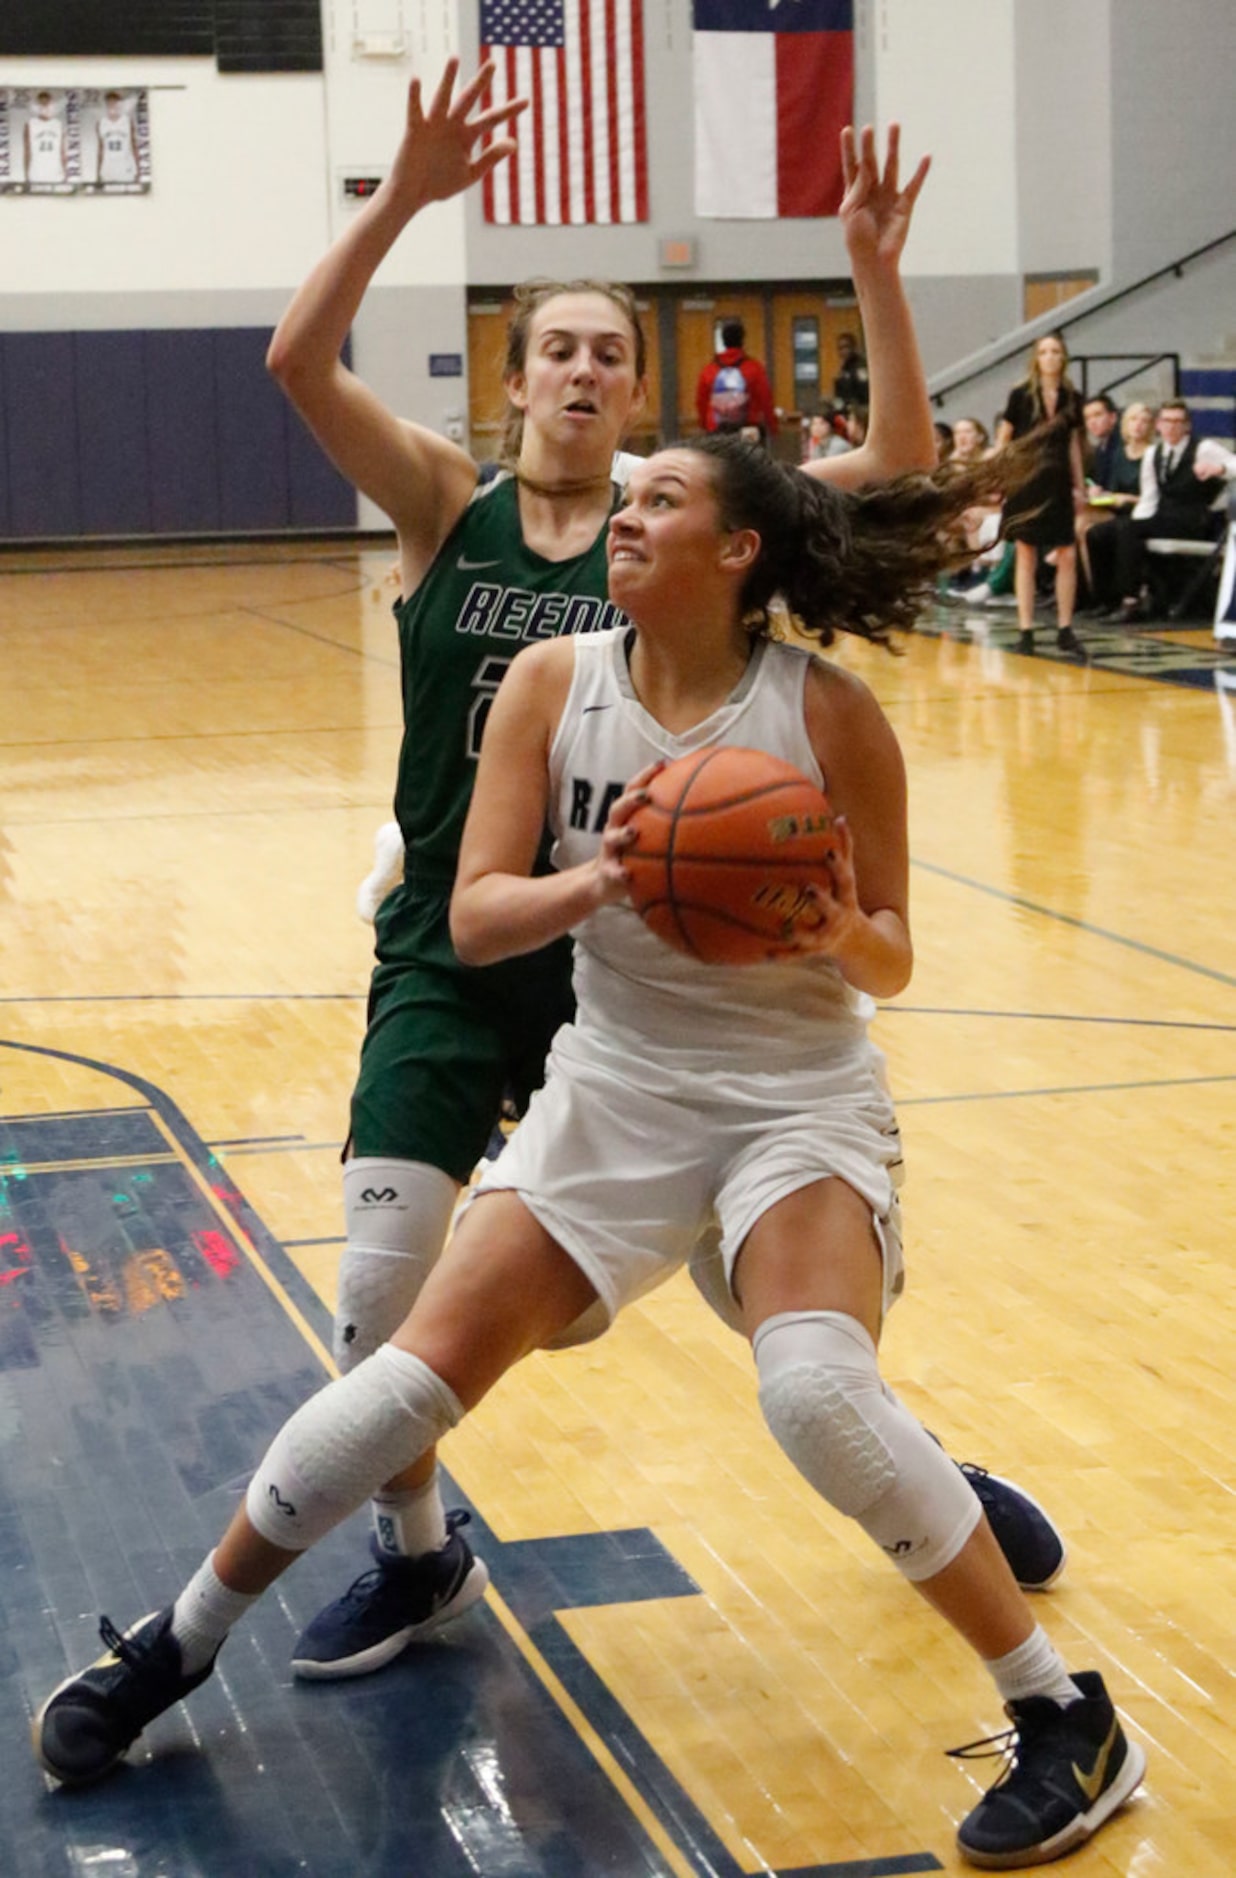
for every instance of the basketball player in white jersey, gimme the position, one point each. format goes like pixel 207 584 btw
pixel 44 141
pixel 683 1093
pixel 117 141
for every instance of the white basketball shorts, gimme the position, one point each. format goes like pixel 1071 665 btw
pixel 630 1182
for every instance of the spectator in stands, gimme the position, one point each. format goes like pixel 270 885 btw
pixel 733 392
pixel 1105 498
pixel 989 578
pixel 1103 446
pixel 971 440
pixel 856 421
pixel 1042 520
pixel 944 440
pixel 824 436
pixel 850 386
pixel 1174 501
pixel 1137 432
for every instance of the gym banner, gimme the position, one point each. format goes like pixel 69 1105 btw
pixel 64 143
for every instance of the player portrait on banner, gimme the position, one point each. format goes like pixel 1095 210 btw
pixel 57 142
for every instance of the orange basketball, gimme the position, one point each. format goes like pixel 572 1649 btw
pixel 726 844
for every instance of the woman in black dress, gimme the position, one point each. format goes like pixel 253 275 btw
pixel 1043 515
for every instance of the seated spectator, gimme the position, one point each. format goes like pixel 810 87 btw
pixel 1136 437
pixel 850 385
pixel 1174 500
pixel 823 435
pixel 971 440
pixel 1101 448
pixel 1121 467
pixel 1212 459
pixel 856 425
pixel 988 581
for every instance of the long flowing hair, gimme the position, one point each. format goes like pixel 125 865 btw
pixel 855 561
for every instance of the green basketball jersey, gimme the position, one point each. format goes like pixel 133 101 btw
pixel 486 595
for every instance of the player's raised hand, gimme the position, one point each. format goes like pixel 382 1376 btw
pixel 443 150
pixel 876 210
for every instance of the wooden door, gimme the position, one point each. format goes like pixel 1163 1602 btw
pixel 487 323
pixel 1045 293
pixel 834 317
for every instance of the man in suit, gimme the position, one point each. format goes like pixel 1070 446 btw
pixel 1174 501
pixel 1104 448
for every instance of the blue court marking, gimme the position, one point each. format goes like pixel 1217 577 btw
pixel 1126 654
pixel 144 1365
pixel 1069 919
pixel 256 1141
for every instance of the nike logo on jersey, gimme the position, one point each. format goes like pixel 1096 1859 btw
pixel 595 707
pixel 467 566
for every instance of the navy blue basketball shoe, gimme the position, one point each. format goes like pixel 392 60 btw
pixel 89 1721
pixel 397 1602
pixel 1026 1536
pixel 1067 1771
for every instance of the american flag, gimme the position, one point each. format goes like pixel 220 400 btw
pixel 583 154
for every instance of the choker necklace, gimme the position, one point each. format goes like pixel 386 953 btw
pixel 579 487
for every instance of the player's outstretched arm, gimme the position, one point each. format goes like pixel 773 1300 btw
pixel 876 212
pixel 418 478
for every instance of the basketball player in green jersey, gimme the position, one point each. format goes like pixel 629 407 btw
pixel 485 571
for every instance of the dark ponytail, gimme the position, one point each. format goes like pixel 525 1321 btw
pixel 857 561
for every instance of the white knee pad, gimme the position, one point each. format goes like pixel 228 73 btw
pixel 344 1442
pixel 853 1441
pixel 397 1215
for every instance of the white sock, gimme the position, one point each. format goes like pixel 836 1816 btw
pixel 410 1522
pixel 1035 1667
pixel 204 1613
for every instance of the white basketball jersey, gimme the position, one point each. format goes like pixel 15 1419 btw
pixel 46 150
pixel 634 990
pixel 117 163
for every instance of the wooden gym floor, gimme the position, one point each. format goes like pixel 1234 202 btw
pixel 686 1664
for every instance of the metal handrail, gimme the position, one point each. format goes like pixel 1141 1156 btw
pixel 1141 362
pixel 1062 321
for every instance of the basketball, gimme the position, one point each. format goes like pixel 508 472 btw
pixel 726 846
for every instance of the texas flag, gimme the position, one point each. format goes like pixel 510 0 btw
pixel 774 87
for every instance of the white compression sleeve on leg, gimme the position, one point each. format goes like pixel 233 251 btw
pixel 344 1442
pixel 397 1215
pixel 854 1442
